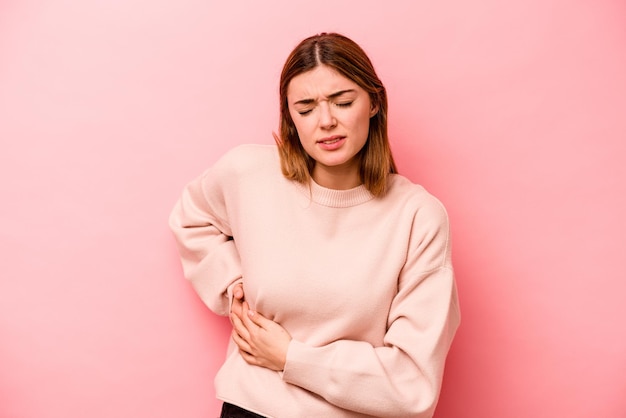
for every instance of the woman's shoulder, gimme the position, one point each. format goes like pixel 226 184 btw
pixel 415 196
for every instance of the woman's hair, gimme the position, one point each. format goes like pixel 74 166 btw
pixel 348 59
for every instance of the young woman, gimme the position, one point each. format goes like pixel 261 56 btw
pixel 335 271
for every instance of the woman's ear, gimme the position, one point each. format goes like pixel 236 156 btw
pixel 373 110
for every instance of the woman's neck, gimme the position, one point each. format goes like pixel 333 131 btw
pixel 337 177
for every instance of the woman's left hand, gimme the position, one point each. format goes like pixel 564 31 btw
pixel 261 341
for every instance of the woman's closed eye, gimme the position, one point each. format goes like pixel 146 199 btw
pixel 344 104
pixel 306 111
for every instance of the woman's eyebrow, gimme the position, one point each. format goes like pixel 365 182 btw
pixel 331 96
pixel 341 92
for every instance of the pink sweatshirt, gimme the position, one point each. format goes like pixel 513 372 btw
pixel 364 286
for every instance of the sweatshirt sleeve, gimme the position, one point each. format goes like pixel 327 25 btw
pixel 202 230
pixel 401 378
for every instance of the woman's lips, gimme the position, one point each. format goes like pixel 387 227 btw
pixel 332 142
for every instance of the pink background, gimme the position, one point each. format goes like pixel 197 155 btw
pixel 512 113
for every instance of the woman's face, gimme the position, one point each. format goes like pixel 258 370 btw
pixel 332 116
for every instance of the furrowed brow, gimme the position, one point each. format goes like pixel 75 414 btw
pixel 304 102
pixel 331 96
pixel 340 93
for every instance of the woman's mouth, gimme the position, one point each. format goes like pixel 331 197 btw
pixel 332 142
pixel 331 139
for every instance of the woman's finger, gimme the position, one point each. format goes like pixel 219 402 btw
pixel 238 291
pixel 236 307
pixel 258 319
pixel 242 344
pixel 239 327
pixel 246 318
pixel 249 358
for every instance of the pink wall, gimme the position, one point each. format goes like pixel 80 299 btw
pixel 513 113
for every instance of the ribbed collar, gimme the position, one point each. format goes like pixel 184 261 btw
pixel 336 198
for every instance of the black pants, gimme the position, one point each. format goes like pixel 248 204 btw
pixel 233 411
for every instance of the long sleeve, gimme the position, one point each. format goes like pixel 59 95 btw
pixel 208 253
pixel 401 378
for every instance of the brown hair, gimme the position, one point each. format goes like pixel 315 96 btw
pixel 348 59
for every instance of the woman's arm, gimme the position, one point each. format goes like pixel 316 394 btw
pixel 401 378
pixel 209 257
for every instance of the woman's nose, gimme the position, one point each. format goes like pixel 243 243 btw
pixel 327 119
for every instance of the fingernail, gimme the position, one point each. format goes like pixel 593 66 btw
pixel 250 313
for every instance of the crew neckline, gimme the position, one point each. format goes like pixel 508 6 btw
pixel 335 198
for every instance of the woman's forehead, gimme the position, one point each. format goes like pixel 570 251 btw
pixel 320 82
